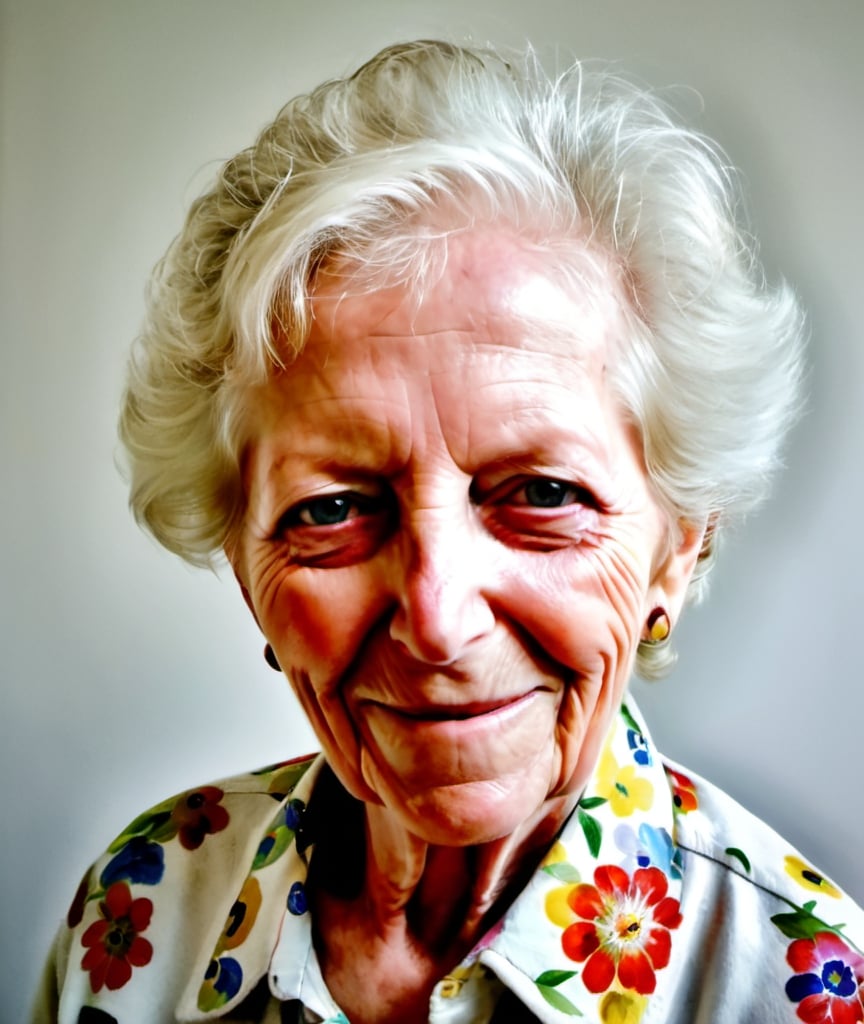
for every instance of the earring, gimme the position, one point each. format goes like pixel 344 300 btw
pixel 270 658
pixel 658 626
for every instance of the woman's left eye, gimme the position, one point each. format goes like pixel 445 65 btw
pixel 545 492
pixel 539 512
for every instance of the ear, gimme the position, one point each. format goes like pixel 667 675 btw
pixel 671 576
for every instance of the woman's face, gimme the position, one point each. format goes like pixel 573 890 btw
pixel 450 541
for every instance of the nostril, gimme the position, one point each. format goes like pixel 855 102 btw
pixel 437 631
pixel 438 583
pixel 423 644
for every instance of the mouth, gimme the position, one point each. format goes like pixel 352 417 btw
pixel 457 712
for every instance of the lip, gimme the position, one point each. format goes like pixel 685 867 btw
pixel 456 712
pixel 432 744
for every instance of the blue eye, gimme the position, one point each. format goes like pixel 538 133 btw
pixel 545 493
pixel 334 510
pixel 327 511
pixel 332 531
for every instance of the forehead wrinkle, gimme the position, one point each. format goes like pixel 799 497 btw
pixel 564 340
pixel 331 323
pixel 513 419
pixel 341 440
pixel 535 433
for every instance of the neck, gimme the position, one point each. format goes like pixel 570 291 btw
pixel 393 913
pixel 442 897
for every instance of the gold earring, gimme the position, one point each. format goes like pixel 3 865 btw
pixel 658 626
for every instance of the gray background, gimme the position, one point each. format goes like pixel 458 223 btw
pixel 127 676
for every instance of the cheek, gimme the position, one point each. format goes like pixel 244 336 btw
pixel 584 607
pixel 582 729
pixel 317 621
pixel 586 614
pixel 317 624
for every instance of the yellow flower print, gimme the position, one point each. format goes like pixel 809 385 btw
pixel 556 865
pixel 555 855
pixel 809 878
pixel 558 910
pixel 622 1008
pixel 451 985
pixel 622 787
pixel 243 915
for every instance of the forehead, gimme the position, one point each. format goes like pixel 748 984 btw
pixel 490 278
pixel 504 339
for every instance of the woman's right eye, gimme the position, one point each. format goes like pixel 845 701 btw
pixel 331 510
pixel 338 529
pixel 326 511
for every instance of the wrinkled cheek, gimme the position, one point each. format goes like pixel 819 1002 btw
pixel 335 730
pixel 316 642
pixel 320 626
pixel 587 610
pixel 581 734
pixel 573 740
pixel 603 651
pixel 307 636
pixel 590 639
pixel 605 636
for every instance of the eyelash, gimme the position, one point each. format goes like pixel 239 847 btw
pixel 365 504
pixel 356 505
pixel 578 495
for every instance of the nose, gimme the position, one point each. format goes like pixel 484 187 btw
pixel 444 583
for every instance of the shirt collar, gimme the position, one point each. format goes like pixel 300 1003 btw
pixel 623 823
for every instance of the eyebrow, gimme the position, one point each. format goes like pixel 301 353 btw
pixel 326 451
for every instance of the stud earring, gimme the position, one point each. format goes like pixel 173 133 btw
pixel 270 658
pixel 658 626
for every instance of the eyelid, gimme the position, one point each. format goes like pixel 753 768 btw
pixel 501 493
pixel 367 504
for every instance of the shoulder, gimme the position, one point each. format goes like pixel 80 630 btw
pixel 712 826
pixel 208 823
pixel 151 909
pixel 752 899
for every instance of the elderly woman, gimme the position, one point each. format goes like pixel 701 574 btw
pixel 466 371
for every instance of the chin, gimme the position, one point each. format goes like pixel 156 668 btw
pixel 472 813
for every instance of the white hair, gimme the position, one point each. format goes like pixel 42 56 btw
pixel 375 169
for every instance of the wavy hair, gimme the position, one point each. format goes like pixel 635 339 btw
pixel 375 168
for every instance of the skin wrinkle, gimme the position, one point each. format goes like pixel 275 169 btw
pixel 591 460
pixel 469 594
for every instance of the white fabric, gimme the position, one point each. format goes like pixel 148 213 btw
pixel 654 865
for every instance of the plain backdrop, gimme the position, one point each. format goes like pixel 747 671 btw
pixel 127 676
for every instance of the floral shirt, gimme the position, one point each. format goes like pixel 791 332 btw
pixel 661 900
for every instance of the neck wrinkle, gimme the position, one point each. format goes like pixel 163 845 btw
pixel 446 897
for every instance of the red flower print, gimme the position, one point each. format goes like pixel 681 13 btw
pixel 828 984
pixel 683 792
pixel 198 814
pixel 114 944
pixel 624 928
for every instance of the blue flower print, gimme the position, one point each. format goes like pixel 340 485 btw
pixel 639 747
pixel 651 847
pixel 297 903
pixel 222 982
pixel 138 861
pixel 293 814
